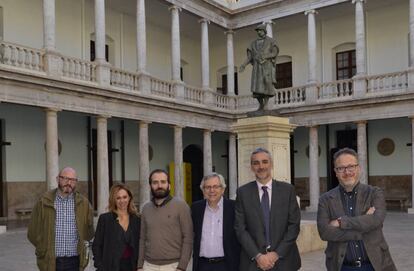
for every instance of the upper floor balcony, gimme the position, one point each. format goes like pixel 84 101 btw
pixel 388 87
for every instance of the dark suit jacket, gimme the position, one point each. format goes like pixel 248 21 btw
pixel 230 244
pixel 360 227
pixel 284 226
pixel 108 244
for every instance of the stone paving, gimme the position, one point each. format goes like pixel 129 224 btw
pixel 16 253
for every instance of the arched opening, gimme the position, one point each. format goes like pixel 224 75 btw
pixel 193 155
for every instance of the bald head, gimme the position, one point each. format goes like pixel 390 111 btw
pixel 67 180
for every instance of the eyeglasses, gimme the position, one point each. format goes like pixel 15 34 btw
pixel 350 168
pixel 212 187
pixel 67 179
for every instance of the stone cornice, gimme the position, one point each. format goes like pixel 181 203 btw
pixel 250 15
pixel 45 92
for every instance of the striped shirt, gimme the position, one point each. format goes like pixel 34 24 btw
pixel 66 231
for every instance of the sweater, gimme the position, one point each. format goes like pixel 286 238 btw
pixel 166 234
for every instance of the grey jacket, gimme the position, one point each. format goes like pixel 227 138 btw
pixel 367 228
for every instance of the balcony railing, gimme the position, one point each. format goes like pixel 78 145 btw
pixel 21 57
pixel 78 69
pixel 29 60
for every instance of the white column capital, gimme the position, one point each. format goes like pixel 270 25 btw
pixel 229 32
pixel 361 122
pixel 102 117
pixel 52 109
pixel 204 20
pixel 144 122
pixel 268 22
pixel 358 1
pixel 174 7
pixel 311 11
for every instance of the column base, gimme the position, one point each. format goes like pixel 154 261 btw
pixel 103 74
pixel 410 211
pixel 360 86
pixel 311 209
pixel 311 93
pixel 144 83
pixel 53 64
pixel 179 91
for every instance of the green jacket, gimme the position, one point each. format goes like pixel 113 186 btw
pixel 41 230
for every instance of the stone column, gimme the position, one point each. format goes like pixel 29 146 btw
pixel 207 153
pixel 175 44
pixel 100 31
pixel 49 25
pixel 52 148
pixel 411 42
pixel 144 188
pixel 141 38
pixel 411 210
pixel 360 37
pixel 103 72
pixel 269 28
pixel 178 162
pixel 52 60
pixel 102 157
pixel 360 85
pixel 313 169
pixel 230 62
pixel 232 166
pixel 311 90
pixel 362 150
pixel 205 55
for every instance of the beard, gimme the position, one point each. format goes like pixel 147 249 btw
pixel 66 189
pixel 160 193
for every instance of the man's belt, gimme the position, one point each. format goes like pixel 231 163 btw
pixel 213 260
pixel 356 263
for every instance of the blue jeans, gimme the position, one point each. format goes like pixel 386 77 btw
pixel 364 267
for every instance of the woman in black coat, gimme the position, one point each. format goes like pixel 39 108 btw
pixel 115 247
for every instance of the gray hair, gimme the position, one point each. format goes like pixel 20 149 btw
pixel 345 151
pixel 261 150
pixel 213 175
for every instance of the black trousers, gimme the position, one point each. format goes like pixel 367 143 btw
pixel 205 265
pixel 67 263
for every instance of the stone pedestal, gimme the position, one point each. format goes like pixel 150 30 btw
pixel 272 133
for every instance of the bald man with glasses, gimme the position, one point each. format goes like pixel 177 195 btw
pixel 350 218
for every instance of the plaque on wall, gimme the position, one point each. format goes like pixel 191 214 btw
pixel 386 146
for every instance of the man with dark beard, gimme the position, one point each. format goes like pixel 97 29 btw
pixel 61 225
pixel 166 238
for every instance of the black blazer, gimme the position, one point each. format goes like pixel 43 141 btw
pixel 284 226
pixel 230 244
pixel 108 244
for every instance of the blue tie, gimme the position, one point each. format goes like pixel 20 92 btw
pixel 266 212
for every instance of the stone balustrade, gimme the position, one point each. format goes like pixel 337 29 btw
pixel 290 96
pixel 335 90
pixel 387 82
pixel 124 79
pixel 79 69
pixel 29 60
pixel 21 56
pixel 193 95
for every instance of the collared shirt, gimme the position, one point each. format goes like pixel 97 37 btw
pixel 66 231
pixel 355 249
pixel 211 244
pixel 269 190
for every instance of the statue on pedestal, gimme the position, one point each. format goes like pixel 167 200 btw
pixel 262 54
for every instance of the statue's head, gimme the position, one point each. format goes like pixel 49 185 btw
pixel 261 30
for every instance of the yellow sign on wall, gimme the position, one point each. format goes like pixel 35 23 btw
pixel 187 181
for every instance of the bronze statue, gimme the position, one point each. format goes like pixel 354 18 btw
pixel 262 54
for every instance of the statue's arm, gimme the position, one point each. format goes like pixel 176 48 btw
pixel 247 61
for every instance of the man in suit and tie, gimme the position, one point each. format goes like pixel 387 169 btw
pixel 215 246
pixel 350 218
pixel 267 221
